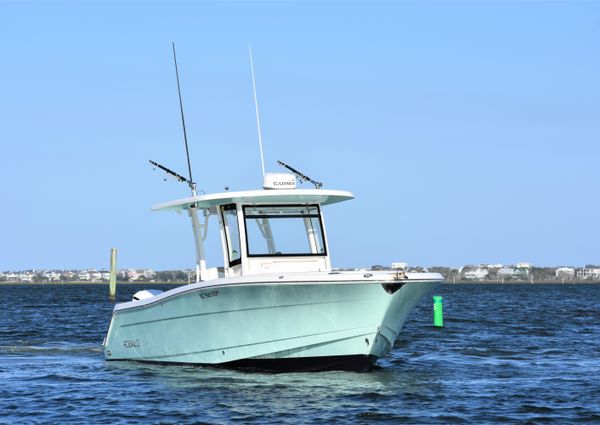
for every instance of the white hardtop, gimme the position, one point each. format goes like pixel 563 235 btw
pixel 282 196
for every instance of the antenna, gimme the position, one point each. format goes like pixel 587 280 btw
pixel 262 160
pixel 301 176
pixel 190 181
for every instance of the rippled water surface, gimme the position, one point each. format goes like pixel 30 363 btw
pixel 507 354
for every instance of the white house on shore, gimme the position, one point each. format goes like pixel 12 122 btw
pixel 93 275
pixel 588 273
pixel 565 272
pixel 52 276
pixel 476 274
pixel 26 277
pixel 12 277
pixel 133 274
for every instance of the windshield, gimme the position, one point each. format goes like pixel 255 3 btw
pixel 284 230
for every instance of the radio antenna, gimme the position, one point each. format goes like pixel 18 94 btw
pixel 302 177
pixel 190 181
pixel 262 160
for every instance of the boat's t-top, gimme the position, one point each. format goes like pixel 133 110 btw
pixel 279 228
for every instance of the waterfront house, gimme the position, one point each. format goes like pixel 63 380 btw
pixel 477 273
pixel 588 273
pixel 565 272
pixel 12 277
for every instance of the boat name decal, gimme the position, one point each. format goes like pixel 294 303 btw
pixel 130 343
pixel 209 294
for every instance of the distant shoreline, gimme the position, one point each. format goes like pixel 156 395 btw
pixel 520 282
pixel 69 282
pixel 445 282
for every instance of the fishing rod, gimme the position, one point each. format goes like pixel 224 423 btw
pixel 170 172
pixel 177 176
pixel 301 176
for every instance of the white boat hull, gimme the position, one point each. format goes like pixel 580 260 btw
pixel 280 326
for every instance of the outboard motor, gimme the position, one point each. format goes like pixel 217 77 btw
pixel 146 293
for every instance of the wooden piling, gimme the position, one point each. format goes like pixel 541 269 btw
pixel 112 285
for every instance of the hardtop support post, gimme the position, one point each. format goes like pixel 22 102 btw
pixel 200 259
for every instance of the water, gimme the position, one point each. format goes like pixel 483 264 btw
pixel 507 354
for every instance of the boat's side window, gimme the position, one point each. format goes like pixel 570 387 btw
pixel 232 233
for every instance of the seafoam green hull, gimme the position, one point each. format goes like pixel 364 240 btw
pixel 222 324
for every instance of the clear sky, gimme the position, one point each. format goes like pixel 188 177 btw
pixel 469 132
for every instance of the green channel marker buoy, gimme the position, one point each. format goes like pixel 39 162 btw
pixel 438 311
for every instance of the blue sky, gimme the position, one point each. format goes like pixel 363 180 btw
pixel 468 131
